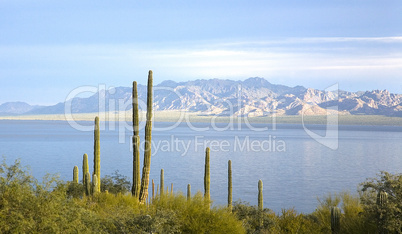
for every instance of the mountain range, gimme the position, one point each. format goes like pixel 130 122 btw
pixel 251 97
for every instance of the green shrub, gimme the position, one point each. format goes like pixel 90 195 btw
pixel 195 217
pixel 386 217
pixel 53 206
pixel 27 206
pixel 353 219
pixel 253 219
pixel 116 183
pixel 291 222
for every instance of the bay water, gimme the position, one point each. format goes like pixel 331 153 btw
pixel 294 167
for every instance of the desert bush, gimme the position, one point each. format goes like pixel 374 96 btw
pixel 254 220
pixel 387 216
pixel 115 183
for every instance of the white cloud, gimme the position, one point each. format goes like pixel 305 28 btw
pixel 338 58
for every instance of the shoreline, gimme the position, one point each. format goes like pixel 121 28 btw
pixel 194 117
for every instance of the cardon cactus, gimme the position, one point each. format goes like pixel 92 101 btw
pixel 335 220
pixel 136 144
pixel 153 189
pixel 207 176
pixel 75 175
pixel 85 167
pixel 87 183
pixel 260 196
pixel 188 192
pixel 148 138
pixel 95 187
pixel 162 182
pixel 97 154
pixel 230 185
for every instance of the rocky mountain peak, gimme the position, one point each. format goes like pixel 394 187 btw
pixel 252 97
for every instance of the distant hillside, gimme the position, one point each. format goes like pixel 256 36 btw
pixel 15 108
pixel 251 97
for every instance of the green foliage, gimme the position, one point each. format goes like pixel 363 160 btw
pixel 97 155
pixel 335 220
pixel 253 219
pixel 53 206
pixel 265 221
pixel 195 217
pixel 353 218
pixel 116 183
pixel 147 147
pixel 75 190
pixel 27 206
pixel 385 215
pixel 291 222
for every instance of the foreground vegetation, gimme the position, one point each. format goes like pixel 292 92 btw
pixel 54 206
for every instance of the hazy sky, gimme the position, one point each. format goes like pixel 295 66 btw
pixel 49 48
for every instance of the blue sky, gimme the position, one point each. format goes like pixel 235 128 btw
pixel 49 48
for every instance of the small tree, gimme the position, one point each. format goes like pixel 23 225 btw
pixel 386 215
pixel 116 183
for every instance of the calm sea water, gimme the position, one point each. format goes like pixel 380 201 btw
pixel 294 168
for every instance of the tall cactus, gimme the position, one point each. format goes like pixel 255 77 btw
pixel 85 167
pixel 97 154
pixel 260 196
pixel 148 137
pixel 207 176
pixel 188 192
pixel 153 189
pixel 230 185
pixel 136 145
pixel 335 220
pixel 162 182
pixel 87 183
pixel 75 175
pixel 95 187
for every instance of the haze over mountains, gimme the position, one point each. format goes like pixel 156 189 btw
pixel 251 97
